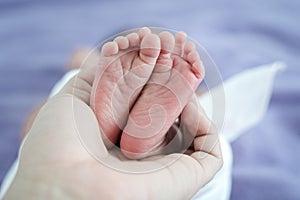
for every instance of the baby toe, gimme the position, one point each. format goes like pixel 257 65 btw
pixel 150 48
pixel 167 42
pixel 180 39
pixel 122 42
pixel 143 32
pixel 133 39
pixel 109 49
pixel 188 48
pixel 196 65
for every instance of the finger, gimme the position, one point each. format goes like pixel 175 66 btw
pixel 80 85
pixel 192 122
pixel 182 176
pixel 194 118
pixel 87 129
pixel 206 143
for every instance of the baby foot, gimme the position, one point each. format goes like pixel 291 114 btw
pixel 125 67
pixel 176 75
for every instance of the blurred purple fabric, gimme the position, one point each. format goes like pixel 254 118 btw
pixel 37 37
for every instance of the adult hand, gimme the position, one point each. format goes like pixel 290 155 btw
pixel 64 157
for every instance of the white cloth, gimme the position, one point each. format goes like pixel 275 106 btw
pixel 249 89
pixel 247 96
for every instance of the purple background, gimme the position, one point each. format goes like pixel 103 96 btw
pixel 37 38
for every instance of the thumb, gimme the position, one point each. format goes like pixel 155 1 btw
pixel 75 95
pixel 80 86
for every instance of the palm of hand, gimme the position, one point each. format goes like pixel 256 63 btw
pixel 68 160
